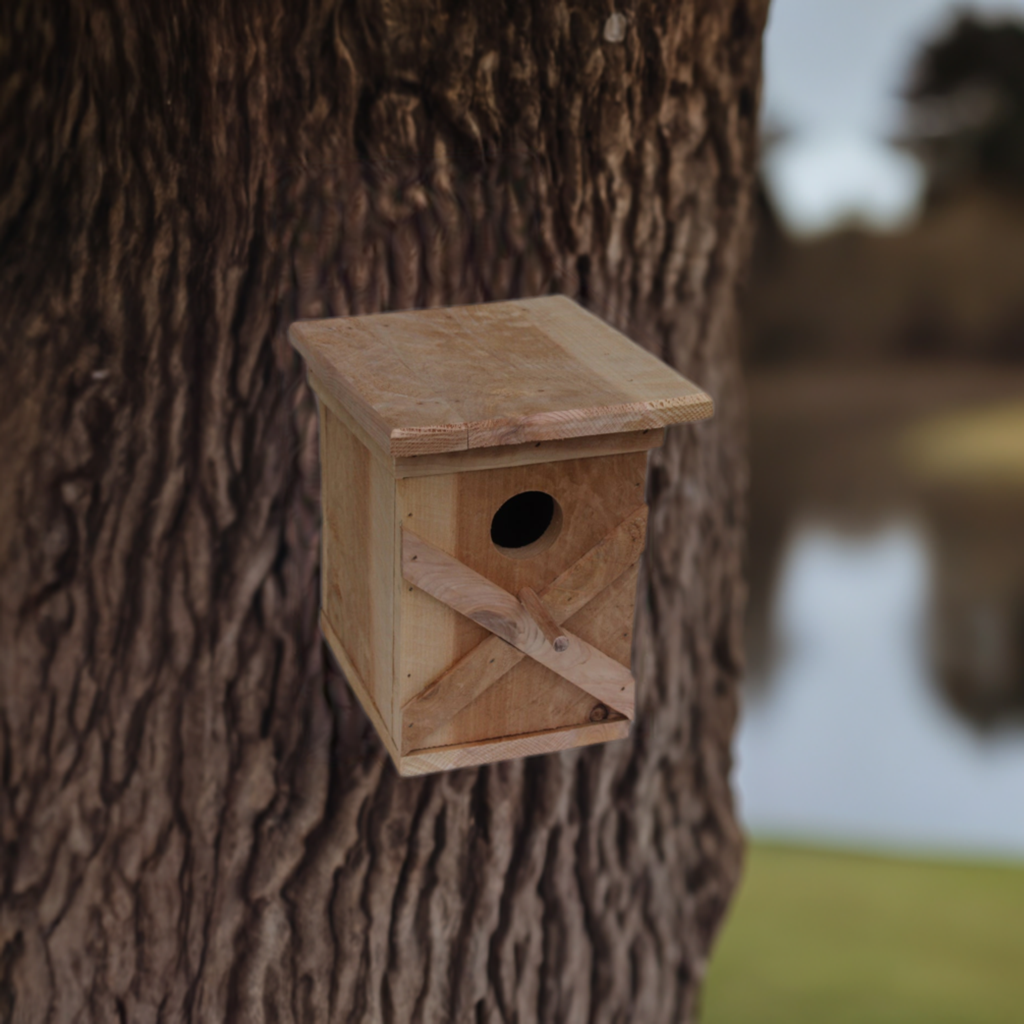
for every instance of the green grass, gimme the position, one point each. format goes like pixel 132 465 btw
pixel 834 938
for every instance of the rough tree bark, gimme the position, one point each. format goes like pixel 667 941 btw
pixel 197 822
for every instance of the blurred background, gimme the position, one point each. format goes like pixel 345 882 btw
pixel 880 755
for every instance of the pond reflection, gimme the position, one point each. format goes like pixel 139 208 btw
pixel 849 738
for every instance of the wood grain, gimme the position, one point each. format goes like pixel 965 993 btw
pixel 476 597
pixel 534 606
pixel 362 575
pixel 453 513
pixel 363 693
pixel 492 658
pixel 531 453
pixel 359 558
pixel 504 373
pixel 436 759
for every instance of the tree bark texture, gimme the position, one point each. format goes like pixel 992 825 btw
pixel 197 822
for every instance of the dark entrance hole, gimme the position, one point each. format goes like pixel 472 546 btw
pixel 526 524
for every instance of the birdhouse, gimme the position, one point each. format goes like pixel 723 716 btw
pixel 483 478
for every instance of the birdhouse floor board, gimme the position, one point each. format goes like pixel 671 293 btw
pixel 505 373
pixel 439 759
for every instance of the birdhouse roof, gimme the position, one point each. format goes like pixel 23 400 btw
pixel 503 373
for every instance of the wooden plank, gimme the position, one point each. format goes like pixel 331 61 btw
pixel 483 666
pixel 359 688
pixel 607 620
pixel 326 400
pixel 530 697
pixel 458 687
pixel 454 514
pixel 345 566
pixel 509 373
pixel 532 453
pixel 432 637
pixel 535 609
pixel 597 569
pixel 477 598
pixel 439 759
pixel 359 558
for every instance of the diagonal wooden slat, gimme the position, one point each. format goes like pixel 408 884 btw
pixel 467 592
pixel 483 666
pixel 530 600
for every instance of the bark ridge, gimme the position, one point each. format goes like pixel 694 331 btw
pixel 196 822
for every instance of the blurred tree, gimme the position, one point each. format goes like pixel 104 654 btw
pixel 966 106
pixel 196 822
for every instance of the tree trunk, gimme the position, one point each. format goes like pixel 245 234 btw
pixel 197 822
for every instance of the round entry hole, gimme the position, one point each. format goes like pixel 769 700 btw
pixel 526 524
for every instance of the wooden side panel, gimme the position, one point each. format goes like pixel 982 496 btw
pixel 454 513
pixel 358 687
pixel 359 556
pixel 325 400
pixel 345 573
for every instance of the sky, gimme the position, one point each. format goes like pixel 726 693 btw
pixel 834 72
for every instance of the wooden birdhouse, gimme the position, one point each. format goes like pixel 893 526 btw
pixel 483 479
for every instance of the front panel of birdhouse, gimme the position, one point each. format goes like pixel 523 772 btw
pixel 483 478
pixel 520 526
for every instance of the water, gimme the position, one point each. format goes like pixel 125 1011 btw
pixel 849 741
